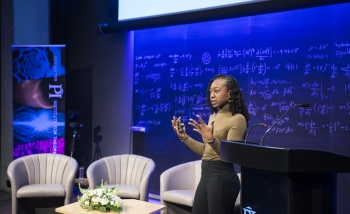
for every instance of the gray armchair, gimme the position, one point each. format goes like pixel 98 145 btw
pixel 178 186
pixel 41 176
pixel 131 172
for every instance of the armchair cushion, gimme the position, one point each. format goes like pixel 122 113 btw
pixel 127 191
pixel 41 190
pixel 184 197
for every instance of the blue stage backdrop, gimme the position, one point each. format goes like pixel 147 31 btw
pixel 38 99
pixel 279 59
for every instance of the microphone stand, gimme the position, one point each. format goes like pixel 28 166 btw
pixel 72 144
pixel 267 131
pixel 257 124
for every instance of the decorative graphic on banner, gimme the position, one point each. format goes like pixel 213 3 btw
pixel 248 210
pixel 38 99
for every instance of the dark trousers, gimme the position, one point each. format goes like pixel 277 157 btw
pixel 217 190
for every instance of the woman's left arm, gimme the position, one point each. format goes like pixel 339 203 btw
pixel 236 132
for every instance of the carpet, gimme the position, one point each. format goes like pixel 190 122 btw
pixel 5 202
pixel 5 206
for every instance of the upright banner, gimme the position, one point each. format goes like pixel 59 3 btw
pixel 38 99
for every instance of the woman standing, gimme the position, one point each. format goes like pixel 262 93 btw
pixel 219 184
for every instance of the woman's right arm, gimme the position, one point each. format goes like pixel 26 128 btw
pixel 194 145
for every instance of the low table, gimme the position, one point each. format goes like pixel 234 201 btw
pixel 130 206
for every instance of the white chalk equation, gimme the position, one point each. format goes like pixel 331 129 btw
pixel 187 71
pixel 330 68
pixel 317 51
pixel 331 127
pixel 345 108
pixel 283 129
pixel 274 119
pixel 180 111
pixel 342 53
pixel 342 49
pixel 190 71
pixel 281 103
pixel 141 65
pixel 160 65
pixel 342 44
pixel 323 108
pixel 260 68
pixel 253 108
pixel 317 89
pixel 310 126
pixel 184 100
pixel 202 110
pixel 265 94
pixel 260 53
pixel 346 71
pixel 228 53
pixel 317 56
pixel 318 47
pixel 153 93
pixel 137 78
pixel 268 94
pixel 153 109
pixel 149 122
pixel 318 109
pixel 145 65
pixel 153 76
pixel 147 57
pixel 184 86
pixel 267 81
pixel 176 57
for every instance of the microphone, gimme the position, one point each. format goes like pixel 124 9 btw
pixel 256 124
pixel 267 131
pixel 303 105
pixel 220 100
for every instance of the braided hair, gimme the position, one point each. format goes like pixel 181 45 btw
pixel 237 104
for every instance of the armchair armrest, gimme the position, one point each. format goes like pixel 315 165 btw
pixel 69 177
pixel 180 177
pixel 96 172
pixel 18 175
pixel 144 184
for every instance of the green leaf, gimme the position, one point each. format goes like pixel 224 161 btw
pixel 102 209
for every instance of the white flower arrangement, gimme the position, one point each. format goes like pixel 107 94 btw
pixel 101 198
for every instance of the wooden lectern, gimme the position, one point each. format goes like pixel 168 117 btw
pixel 285 180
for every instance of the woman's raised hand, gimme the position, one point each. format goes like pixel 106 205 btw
pixel 205 130
pixel 175 124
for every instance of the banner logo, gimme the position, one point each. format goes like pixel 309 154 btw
pixel 38 99
pixel 248 210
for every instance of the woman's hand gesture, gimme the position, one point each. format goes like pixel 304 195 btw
pixel 175 124
pixel 205 130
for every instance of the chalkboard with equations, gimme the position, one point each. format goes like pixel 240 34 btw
pixel 279 60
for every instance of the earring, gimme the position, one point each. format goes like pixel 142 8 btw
pixel 228 99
